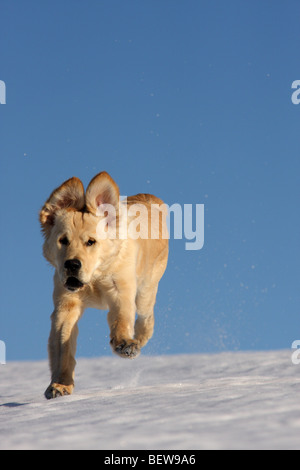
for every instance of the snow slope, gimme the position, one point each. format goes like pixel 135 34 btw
pixel 190 402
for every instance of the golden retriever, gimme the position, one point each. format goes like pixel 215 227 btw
pixel 100 263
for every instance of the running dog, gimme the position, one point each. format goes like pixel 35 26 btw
pixel 107 254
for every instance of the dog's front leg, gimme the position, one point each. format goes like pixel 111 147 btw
pixel 62 347
pixel 121 318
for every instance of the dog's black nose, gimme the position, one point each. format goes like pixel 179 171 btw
pixel 73 265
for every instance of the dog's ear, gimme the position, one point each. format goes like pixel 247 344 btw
pixel 69 195
pixel 101 190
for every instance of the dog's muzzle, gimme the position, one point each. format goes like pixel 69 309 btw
pixel 73 284
pixel 72 267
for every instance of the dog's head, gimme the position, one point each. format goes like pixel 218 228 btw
pixel 70 224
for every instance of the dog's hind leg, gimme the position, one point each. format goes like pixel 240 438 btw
pixel 144 324
pixel 146 299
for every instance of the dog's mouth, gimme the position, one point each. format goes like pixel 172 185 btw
pixel 72 284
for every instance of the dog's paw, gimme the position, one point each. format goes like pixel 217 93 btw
pixel 57 390
pixel 126 348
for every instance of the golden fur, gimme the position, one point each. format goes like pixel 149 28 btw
pixel 120 274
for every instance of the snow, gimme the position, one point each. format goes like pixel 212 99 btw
pixel 240 400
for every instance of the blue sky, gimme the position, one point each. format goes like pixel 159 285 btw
pixel 188 100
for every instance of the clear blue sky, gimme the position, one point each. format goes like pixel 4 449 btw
pixel 187 99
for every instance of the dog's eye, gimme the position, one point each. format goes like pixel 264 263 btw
pixel 64 241
pixel 90 242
